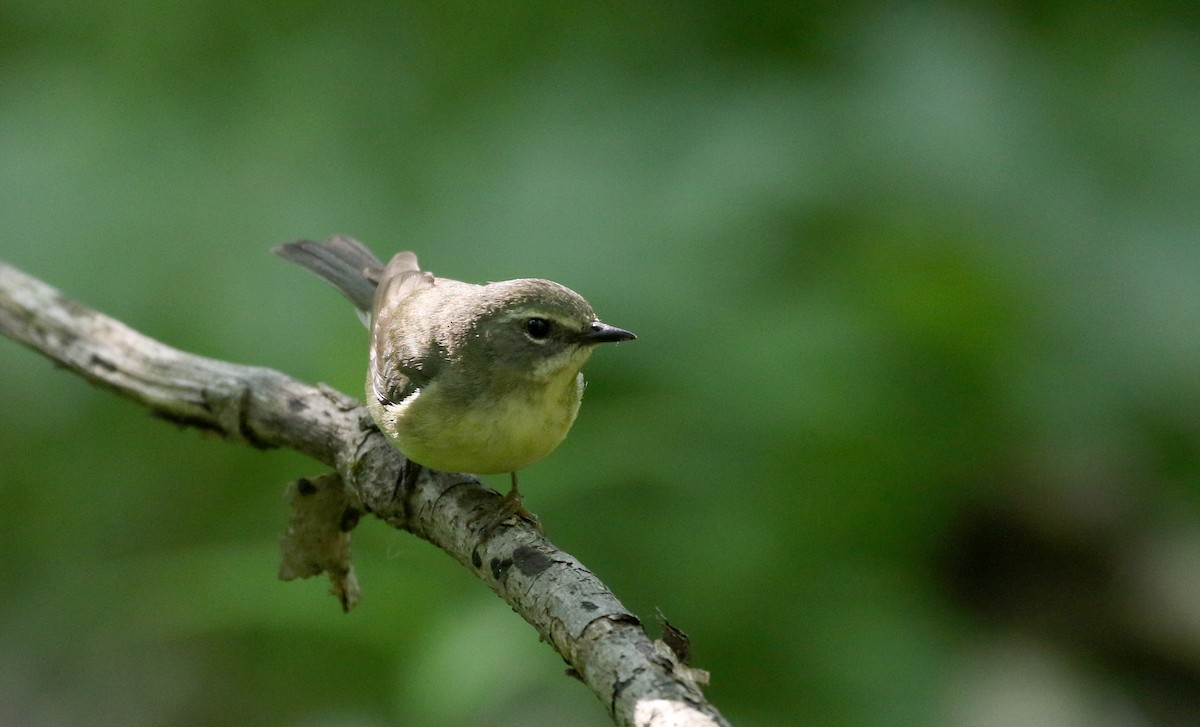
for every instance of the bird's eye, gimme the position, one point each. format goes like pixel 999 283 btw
pixel 537 328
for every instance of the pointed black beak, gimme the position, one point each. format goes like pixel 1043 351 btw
pixel 599 332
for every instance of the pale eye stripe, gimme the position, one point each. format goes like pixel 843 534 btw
pixel 523 313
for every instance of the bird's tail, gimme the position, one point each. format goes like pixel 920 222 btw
pixel 347 263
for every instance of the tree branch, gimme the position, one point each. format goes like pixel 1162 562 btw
pixel 641 682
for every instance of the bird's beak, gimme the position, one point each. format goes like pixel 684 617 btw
pixel 599 332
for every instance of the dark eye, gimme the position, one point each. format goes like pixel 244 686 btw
pixel 537 328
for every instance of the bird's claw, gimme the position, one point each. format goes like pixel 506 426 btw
pixel 509 506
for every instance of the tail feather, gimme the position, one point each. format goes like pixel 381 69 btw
pixel 347 263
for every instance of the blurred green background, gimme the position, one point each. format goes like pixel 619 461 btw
pixel 911 435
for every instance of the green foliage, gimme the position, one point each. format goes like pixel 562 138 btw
pixel 889 268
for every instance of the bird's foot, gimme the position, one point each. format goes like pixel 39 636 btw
pixel 509 506
pixel 512 505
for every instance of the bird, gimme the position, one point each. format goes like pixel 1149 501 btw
pixel 461 377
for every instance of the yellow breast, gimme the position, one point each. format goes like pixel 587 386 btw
pixel 502 434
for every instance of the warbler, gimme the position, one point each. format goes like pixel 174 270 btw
pixel 462 377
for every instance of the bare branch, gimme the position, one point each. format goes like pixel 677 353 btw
pixel 641 682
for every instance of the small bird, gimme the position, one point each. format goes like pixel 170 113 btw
pixel 462 377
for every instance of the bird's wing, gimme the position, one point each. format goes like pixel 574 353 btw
pixel 396 376
pixel 403 355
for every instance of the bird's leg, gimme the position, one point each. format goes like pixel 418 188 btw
pixel 509 506
pixel 512 503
